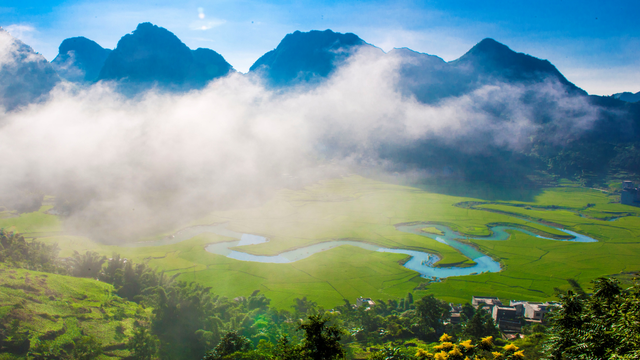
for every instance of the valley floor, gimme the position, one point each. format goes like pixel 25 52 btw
pixel 361 209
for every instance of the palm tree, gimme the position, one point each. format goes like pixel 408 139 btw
pixel 87 265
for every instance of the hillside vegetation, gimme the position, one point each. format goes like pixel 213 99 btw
pixel 52 314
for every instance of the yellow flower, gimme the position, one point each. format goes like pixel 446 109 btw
pixel 440 356
pixel 510 348
pixel 455 354
pixel 422 354
pixel 497 355
pixel 445 338
pixel 466 344
pixel 519 354
pixel 446 346
pixel 487 341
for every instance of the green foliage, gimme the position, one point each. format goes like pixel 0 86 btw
pixel 87 348
pixel 533 342
pixel 321 341
pixel 143 345
pixel 390 353
pixel 483 349
pixel 230 344
pixel 61 317
pixel 604 325
pixel 480 325
pixel 431 316
pixel 86 265
pixel 32 255
pixel 13 338
pixel 303 306
pixel 285 350
pixel 182 310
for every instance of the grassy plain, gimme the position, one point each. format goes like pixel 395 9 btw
pixel 47 304
pixel 360 209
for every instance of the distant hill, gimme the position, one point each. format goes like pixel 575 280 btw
pixel 627 96
pixel 430 79
pixel 573 134
pixel 492 60
pixel 25 76
pixel 306 57
pixel 310 57
pixel 152 55
pixel 80 59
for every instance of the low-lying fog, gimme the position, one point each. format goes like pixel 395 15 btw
pixel 123 168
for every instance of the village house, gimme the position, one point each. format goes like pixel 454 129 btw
pixel 454 313
pixel 533 311
pixel 630 195
pixel 367 302
pixel 486 302
pixel 509 319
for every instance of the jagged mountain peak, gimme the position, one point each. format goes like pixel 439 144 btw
pixel 306 56
pixel 152 55
pixel 492 59
pixel 80 59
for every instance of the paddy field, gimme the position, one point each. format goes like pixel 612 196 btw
pixel 359 209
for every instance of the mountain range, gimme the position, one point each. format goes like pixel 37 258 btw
pixel 627 96
pixel 153 57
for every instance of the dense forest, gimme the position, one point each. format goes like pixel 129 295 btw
pixel 189 321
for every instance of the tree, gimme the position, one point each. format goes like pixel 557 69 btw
pixel 230 344
pixel 32 255
pixel 480 325
pixel 467 312
pixel 408 301
pixel 285 350
pixel 183 313
pixel 431 316
pixel 143 345
pixel 303 306
pixel 321 342
pixel 87 348
pixel 602 326
pixel 113 272
pixel 86 265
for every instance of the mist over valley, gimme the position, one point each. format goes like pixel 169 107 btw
pixel 335 201
pixel 162 133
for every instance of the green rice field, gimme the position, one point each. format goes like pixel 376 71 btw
pixel 361 209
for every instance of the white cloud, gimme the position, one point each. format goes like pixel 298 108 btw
pixel 135 166
pixel 206 25
pixel 20 31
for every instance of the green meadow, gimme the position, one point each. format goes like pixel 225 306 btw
pixel 361 209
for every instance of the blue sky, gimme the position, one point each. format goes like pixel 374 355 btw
pixel 595 44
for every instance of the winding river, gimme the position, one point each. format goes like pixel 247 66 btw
pixel 421 262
